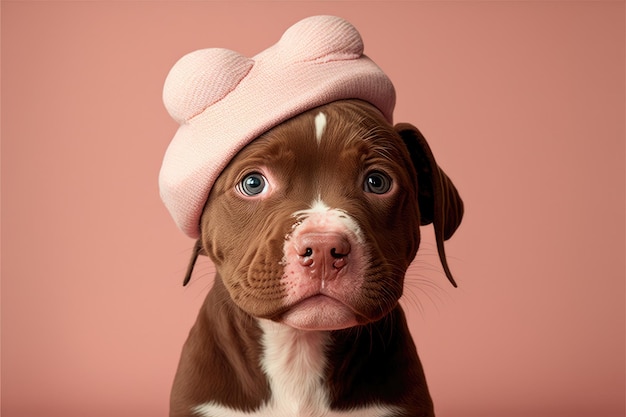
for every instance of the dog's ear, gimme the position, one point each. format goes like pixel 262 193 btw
pixel 197 250
pixel 439 201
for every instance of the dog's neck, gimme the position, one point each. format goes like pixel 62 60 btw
pixel 295 364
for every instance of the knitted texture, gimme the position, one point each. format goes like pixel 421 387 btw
pixel 223 101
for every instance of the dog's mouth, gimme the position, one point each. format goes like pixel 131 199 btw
pixel 320 312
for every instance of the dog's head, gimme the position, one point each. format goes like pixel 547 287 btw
pixel 315 222
pixel 287 169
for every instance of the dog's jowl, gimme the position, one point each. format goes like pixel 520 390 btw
pixel 289 172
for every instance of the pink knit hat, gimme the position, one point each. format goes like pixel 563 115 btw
pixel 223 101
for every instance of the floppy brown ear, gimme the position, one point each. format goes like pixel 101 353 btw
pixel 439 201
pixel 197 250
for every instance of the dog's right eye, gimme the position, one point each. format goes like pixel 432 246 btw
pixel 253 184
pixel 377 182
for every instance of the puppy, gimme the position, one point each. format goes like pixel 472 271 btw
pixel 311 228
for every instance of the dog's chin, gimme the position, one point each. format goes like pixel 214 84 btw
pixel 320 312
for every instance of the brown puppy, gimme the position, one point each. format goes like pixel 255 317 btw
pixel 312 227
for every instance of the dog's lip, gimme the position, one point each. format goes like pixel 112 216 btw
pixel 321 304
pixel 320 295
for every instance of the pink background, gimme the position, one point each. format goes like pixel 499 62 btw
pixel 522 102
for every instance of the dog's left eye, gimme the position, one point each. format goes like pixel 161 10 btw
pixel 253 184
pixel 377 182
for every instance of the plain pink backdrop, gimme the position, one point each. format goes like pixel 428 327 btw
pixel 522 102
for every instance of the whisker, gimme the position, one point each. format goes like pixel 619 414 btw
pixel 419 287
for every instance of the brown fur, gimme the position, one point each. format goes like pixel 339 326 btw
pixel 374 362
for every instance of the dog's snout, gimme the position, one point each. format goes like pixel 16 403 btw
pixel 329 250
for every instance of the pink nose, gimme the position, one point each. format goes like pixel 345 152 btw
pixel 323 250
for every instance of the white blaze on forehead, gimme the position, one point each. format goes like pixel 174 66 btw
pixel 324 216
pixel 319 206
pixel 320 126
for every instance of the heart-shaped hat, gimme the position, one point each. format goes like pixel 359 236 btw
pixel 224 100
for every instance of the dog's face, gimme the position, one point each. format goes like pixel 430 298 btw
pixel 315 223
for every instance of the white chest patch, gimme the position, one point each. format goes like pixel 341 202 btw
pixel 294 362
pixel 320 126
